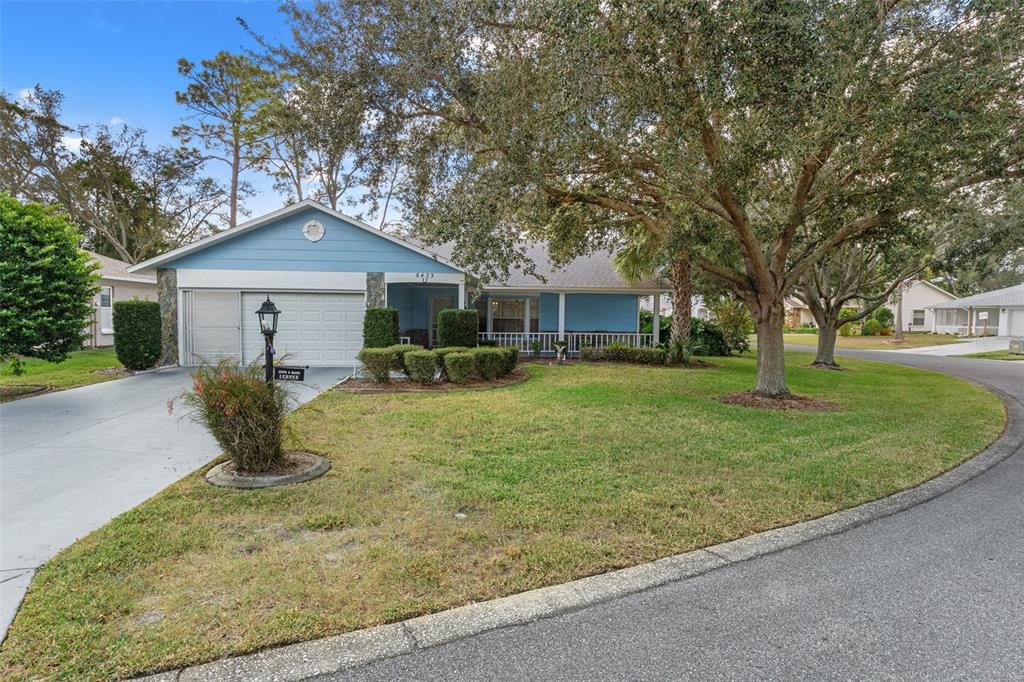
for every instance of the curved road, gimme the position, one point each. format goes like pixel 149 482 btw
pixel 935 592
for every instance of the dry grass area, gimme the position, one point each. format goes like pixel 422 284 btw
pixel 436 500
pixel 910 340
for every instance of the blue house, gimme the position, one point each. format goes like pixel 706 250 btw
pixel 323 269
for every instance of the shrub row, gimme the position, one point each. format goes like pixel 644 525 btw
pixel 457 364
pixel 620 352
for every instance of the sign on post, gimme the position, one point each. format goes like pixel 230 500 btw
pixel 282 373
pixel 982 316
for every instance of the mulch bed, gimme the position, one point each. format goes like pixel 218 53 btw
pixel 294 462
pixel 365 385
pixel 113 372
pixel 801 403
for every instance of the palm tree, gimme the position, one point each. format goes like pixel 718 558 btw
pixel 645 257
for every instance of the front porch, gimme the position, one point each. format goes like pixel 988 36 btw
pixel 967 321
pixel 533 321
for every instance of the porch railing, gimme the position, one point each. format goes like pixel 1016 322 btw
pixel 963 329
pixel 545 341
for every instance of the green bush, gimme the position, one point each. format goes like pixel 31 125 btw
pixel 380 327
pixel 457 327
pixel 870 327
pixel 489 363
pixel 589 354
pixel 46 283
pixel 884 331
pixel 708 337
pixel 137 333
pixel 733 318
pixel 421 366
pixel 242 411
pixel 380 363
pixel 804 329
pixel 439 353
pixel 400 349
pixel 459 366
pixel 511 358
pixel 884 316
pixel 620 352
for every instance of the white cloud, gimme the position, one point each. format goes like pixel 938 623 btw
pixel 25 95
pixel 117 121
pixel 72 143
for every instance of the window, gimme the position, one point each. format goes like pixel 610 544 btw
pixel 918 318
pixel 507 314
pixel 106 310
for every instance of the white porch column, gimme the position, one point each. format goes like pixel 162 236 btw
pixel 462 294
pixel 561 316
pixel 526 315
pixel 656 309
pixel 490 316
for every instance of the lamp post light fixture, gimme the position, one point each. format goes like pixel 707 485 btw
pixel 268 314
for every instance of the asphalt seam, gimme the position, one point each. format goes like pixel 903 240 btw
pixel 360 648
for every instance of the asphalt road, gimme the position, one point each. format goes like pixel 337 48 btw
pixel 70 461
pixel 935 592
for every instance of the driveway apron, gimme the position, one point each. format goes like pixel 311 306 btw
pixel 70 461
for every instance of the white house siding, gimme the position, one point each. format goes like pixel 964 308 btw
pixel 98 335
pixel 917 297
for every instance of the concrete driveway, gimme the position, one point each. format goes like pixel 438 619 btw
pixel 982 345
pixel 932 593
pixel 71 461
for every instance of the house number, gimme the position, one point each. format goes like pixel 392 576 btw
pixel 424 276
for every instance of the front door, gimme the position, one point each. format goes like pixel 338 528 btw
pixel 437 304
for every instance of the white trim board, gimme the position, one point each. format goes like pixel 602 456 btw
pixel 272 280
pixel 415 278
pixel 233 232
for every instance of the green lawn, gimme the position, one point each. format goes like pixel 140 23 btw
pixel 996 355
pixel 437 500
pixel 78 370
pixel 910 340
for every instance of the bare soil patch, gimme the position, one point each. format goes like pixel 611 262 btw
pixel 114 372
pixel 802 403
pixel 362 385
pixel 15 391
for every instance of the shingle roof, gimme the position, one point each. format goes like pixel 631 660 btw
pixel 593 271
pixel 1010 296
pixel 112 268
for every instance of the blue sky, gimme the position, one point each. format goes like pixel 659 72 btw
pixel 118 60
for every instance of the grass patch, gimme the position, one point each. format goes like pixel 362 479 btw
pixel 78 370
pixel 436 500
pixel 996 355
pixel 910 340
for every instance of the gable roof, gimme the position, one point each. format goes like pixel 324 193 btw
pixel 934 286
pixel 112 268
pixel 592 271
pixel 271 218
pixel 1010 296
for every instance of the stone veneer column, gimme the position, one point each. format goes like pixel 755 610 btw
pixel 167 295
pixel 376 290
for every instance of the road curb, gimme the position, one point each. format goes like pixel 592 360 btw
pixel 362 647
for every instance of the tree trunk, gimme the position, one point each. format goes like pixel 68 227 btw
pixel 681 282
pixel 899 313
pixel 771 351
pixel 236 161
pixel 826 355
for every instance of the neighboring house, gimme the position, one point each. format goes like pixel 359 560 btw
pixel 116 284
pixel 993 313
pixel 916 300
pixel 323 269
pixel 917 297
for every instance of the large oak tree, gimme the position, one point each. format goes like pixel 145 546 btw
pixel 769 132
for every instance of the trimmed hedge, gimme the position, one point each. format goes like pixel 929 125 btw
pixel 439 353
pixel 137 333
pixel 457 327
pixel 421 366
pixel 400 349
pixel 380 327
pixel 489 363
pixel 619 352
pixel 379 362
pixel 459 366
pixel 511 357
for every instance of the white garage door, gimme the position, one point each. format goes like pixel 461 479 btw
pixel 1015 322
pixel 210 326
pixel 313 329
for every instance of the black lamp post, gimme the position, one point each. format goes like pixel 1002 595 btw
pixel 268 314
